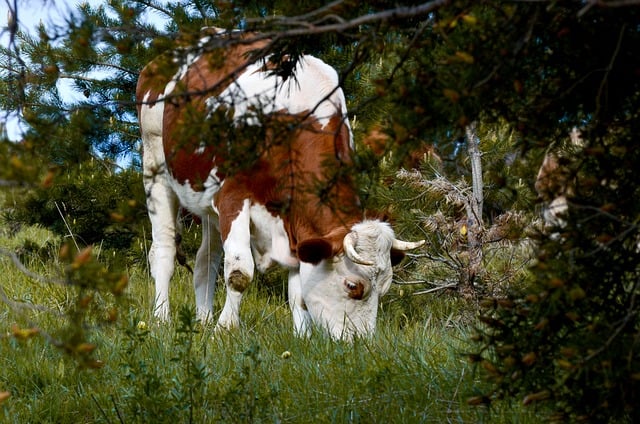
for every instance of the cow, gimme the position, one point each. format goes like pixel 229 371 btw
pixel 555 181
pixel 552 188
pixel 291 202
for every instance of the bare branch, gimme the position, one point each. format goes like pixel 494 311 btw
pixel 22 305
pixel 605 78
pixel 606 3
pixel 442 287
pixel 310 29
pixel 66 224
pixel 16 261
pixel 320 10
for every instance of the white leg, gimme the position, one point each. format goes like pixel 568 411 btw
pixel 163 209
pixel 205 271
pixel 238 267
pixel 301 318
pixel 230 315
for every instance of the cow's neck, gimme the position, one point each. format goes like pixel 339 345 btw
pixel 323 200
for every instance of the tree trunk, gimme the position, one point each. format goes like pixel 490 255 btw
pixel 475 226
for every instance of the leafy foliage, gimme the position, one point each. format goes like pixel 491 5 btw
pixel 569 336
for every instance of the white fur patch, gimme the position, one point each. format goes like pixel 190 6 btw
pixel 185 63
pixel 269 240
pixel 314 88
pixel 197 202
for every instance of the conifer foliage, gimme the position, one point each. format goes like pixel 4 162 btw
pixel 422 72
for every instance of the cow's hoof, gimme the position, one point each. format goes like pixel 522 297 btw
pixel 161 314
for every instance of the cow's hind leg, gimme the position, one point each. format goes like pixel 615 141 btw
pixel 162 204
pixel 205 272
pixel 238 263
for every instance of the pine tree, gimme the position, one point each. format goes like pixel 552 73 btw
pixel 423 72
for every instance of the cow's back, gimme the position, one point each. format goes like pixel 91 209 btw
pixel 200 120
pixel 171 93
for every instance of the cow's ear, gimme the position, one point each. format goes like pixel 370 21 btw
pixel 396 256
pixel 314 250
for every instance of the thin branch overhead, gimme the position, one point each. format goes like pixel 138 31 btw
pixel 301 26
pixel 606 3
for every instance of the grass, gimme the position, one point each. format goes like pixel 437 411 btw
pixel 412 371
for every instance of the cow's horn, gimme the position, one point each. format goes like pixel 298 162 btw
pixel 406 245
pixel 349 244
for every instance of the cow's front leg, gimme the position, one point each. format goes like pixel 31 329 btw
pixel 238 263
pixel 301 317
pixel 163 210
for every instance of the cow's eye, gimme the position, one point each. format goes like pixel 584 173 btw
pixel 355 289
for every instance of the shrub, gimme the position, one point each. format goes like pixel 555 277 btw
pixel 88 202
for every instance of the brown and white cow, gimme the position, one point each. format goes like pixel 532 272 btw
pixel 291 203
pixel 555 182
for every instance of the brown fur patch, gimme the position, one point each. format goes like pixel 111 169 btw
pixel 238 281
pixel 554 178
pixel 299 170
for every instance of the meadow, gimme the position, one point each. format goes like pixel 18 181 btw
pixel 414 370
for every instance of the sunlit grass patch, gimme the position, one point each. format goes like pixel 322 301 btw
pixel 414 368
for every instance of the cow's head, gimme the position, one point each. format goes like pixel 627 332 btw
pixel 341 292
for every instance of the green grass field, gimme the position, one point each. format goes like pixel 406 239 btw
pixel 413 370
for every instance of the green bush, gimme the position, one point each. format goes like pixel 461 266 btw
pixel 88 203
pixel 570 337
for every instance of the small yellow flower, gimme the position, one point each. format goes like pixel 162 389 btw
pixel 286 354
pixel 142 326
